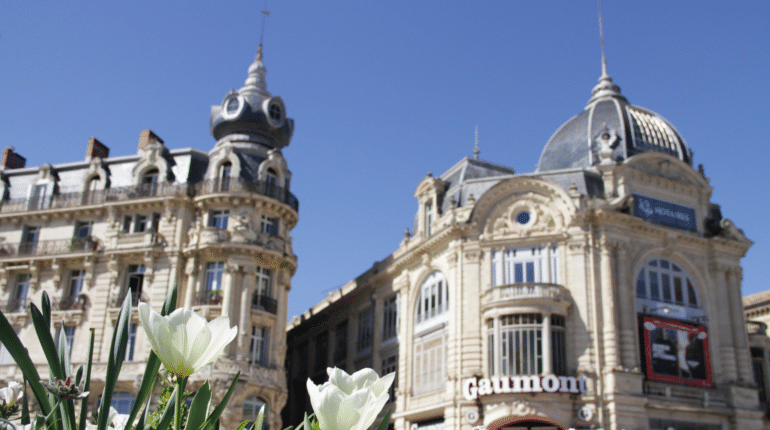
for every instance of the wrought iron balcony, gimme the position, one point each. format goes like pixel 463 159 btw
pixel 756 327
pixel 264 188
pixel 136 297
pixel 210 298
pixel 264 303
pixel 48 247
pixel 72 303
pixel 14 305
pixel 158 189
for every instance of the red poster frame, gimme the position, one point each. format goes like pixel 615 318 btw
pixel 650 323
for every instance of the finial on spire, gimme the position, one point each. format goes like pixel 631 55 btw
pixel 476 149
pixel 601 36
pixel 265 14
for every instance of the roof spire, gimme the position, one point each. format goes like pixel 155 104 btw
pixel 476 149
pixel 256 83
pixel 605 88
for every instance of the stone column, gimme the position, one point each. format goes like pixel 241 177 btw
pixel 230 284
pixel 244 320
pixel 741 337
pixel 609 330
pixel 548 269
pixel 377 335
pixel 547 365
pixel 626 293
pixel 722 313
pixel 191 270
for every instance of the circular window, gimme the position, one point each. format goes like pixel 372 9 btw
pixel 274 111
pixel 232 105
pixel 523 217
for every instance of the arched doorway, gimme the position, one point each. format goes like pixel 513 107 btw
pixel 526 423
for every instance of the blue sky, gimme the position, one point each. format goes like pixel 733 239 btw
pixel 384 92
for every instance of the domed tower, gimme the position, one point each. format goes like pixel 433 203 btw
pixel 612 128
pixel 239 252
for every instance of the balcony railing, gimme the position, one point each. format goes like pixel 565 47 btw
pixel 136 297
pixel 264 303
pixel 76 303
pixel 679 393
pixel 259 187
pixel 210 298
pixel 135 240
pixel 756 327
pixel 48 247
pixel 74 199
pixel 526 291
pixel 14 305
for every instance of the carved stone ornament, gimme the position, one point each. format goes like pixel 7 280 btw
pixel 527 215
pixel 668 169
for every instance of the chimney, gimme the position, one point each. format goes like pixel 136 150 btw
pixel 12 160
pixel 147 137
pixel 96 149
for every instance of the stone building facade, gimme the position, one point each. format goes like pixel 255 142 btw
pixel 602 290
pixel 217 225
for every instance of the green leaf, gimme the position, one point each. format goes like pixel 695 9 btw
pixel 64 353
pixel 20 355
pixel 153 363
pixel 168 414
pixel 243 425
pixel 260 418
pixel 214 417
pixel 25 406
pixel 115 360
pixel 199 407
pixel 385 421
pixel 87 383
pixel 43 329
pixel 45 305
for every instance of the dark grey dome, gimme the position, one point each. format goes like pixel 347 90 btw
pixel 252 110
pixel 609 122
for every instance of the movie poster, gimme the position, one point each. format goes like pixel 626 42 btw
pixel 677 352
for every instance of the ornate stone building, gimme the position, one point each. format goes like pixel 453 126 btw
pixel 215 224
pixel 602 290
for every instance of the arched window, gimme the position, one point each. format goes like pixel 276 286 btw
pixel 433 300
pixel 663 282
pixel 251 407
pixel 150 182
pixel 224 176
pixel 430 335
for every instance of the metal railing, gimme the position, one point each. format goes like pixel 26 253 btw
pixel 264 303
pixel 210 298
pixel 48 247
pixel 71 303
pixel 667 392
pixel 264 188
pixel 756 327
pixel 14 305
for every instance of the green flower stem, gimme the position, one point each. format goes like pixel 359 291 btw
pixel 180 385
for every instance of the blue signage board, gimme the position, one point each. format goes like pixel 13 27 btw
pixel 665 213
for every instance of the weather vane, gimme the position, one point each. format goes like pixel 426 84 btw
pixel 265 14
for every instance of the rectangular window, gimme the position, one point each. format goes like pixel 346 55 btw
pixel 39 197
pixel 341 344
pixel 269 225
pixel 77 277
pixel 258 346
pixel 140 223
pixel 29 239
pixel 521 344
pixel 155 223
pixel 390 317
pixel 218 219
pixel 126 225
pixel 21 290
pixel 429 363
pixel 131 343
pixel 263 282
pixel 135 281
pixel 525 265
pixel 365 330
pixel 214 276
pixel 390 365
pixel 83 229
pixel 321 353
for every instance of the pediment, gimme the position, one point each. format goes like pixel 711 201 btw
pixel 668 167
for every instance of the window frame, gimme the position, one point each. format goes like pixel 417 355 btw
pixel 259 346
pixel 365 331
pixel 218 218
pixel 514 334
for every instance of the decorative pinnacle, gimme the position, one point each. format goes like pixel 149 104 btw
pixel 476 149
pixel 256 83
pixel 605 87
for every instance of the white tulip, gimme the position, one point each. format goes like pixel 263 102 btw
pixel 184 341
pixel 349 402
pixel 12 393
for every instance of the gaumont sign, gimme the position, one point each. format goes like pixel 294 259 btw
pixel 474 387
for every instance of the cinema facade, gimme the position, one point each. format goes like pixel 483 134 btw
pixel 603 290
